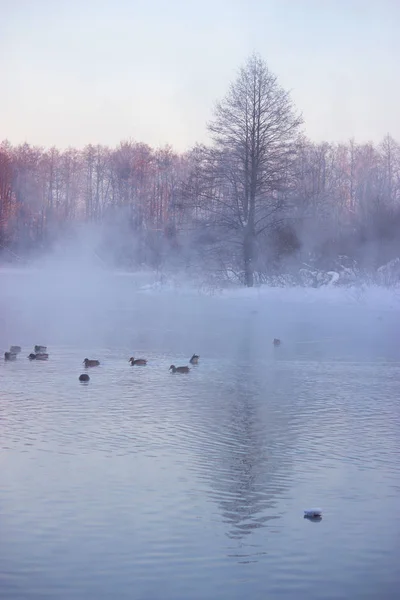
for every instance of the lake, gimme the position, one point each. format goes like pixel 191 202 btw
pixel 145 484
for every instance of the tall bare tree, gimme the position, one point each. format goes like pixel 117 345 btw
pixel 254 132
pixel 7 202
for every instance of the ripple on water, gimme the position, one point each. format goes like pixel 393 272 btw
pixel 149 484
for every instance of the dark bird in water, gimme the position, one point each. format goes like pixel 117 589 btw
pixel 15 349
pixel 91 363
pixel 84 377
pixel 277 342
pixel 40 349
pixel 38 356
pixel 195 359
pixel 138 361
pixel 10 356
pixel 175 369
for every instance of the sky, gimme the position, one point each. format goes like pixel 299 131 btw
pixel 101 71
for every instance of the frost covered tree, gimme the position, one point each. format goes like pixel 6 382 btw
pixel 254 130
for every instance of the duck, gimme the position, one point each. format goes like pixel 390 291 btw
pixel 175 369
pixel 84 377
pixel 138 361
pixel 277 342
pixel 91 363
pixel 40 349
pixel 15 349
pixel 10 356
pixel 38 356
pixel 195 359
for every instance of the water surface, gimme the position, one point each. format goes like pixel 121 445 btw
pixel 147 485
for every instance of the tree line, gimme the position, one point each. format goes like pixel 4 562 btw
pixel 258 200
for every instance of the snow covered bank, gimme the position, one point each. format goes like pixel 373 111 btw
pixel 97 282
pixel 373 296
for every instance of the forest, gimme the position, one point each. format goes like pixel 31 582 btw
pixel 261 203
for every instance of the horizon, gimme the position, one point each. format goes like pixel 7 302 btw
pixel 119 76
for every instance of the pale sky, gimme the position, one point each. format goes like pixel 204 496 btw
pixel 74 72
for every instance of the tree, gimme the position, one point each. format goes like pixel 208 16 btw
pixel 254 130
pixel 7 203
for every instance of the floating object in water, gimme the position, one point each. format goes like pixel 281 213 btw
pixel 138 361
pixel 175 369
pixel 10 356
pixel 40 349
pixel 313 513
pixel 84 377
pixel 277 342
pixel 195 359
pixel 91 363
pixel 15 349
pixel 38 356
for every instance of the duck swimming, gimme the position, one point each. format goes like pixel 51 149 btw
pixel 38 356
pixel 175 369
pixel 15 349
pixel 84 377
pixel 10 356
pixel 138 361
pixel 277 342
pixel 91 363
pixel 195 359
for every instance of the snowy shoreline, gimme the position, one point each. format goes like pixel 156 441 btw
pixel 147 282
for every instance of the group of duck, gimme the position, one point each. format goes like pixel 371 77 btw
pixel 142 362
pixel 138 362
pixel 40 353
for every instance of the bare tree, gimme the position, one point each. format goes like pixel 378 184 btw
pixel 7 202
pixel 254 133
pixel 260 199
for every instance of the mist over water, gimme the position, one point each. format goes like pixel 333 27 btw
pixel 143 484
